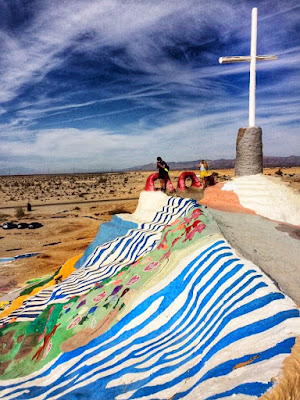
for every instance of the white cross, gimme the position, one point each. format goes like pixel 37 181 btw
pixel 252 58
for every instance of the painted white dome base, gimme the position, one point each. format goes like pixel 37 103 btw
pixel 267 196
pixel 149 204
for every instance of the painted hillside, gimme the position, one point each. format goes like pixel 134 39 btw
pixel 159 306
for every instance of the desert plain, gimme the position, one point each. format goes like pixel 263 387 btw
pixel 70 208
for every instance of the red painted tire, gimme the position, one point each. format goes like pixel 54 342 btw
pixel 181 181
pixel 150 187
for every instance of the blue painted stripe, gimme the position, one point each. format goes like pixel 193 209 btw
pixel 218 289
pixel 250 389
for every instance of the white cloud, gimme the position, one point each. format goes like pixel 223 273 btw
pixel 193 107
pixel 142 29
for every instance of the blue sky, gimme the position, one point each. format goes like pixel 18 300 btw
pixel 109 84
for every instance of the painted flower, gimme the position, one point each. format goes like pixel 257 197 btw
pixel 162 246
pixel 82 303
pixel 133 280
pixel 92 310
pixel 117 282
pixel 152 266
pixel 99 297
pixel 116 290
pixel 113 297
pixel 74 322
pixel 124 292
pixel 83 310
pixel 120 274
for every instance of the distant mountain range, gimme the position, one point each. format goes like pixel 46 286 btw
pixel 291 161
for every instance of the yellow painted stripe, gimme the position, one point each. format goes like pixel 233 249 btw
pixel 65 271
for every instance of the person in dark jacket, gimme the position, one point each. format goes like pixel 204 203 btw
pixel 163 173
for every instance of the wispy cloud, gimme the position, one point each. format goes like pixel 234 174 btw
pixel 140 68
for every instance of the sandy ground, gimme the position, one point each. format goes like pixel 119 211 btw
pixel 67 231
pixel 72 207
pixel 72 188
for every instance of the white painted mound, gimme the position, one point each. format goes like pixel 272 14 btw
pixel 268 197
pixel 148 205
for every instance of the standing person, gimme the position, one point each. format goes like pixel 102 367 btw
pixel 163 173
pixel 28 206
pixel 203 171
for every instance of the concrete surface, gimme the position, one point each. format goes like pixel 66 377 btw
pixel 249 154
pixel 273 247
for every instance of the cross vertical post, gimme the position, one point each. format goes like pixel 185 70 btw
pixel 249 156
pixel 252 58
pixel 252 85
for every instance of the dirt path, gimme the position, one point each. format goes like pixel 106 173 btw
pixel 72 203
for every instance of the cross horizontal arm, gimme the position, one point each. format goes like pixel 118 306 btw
pixel 234 59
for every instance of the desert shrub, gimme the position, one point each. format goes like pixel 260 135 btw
pixel 19 212
pixel 44 256
pixel 102 180
pixel 3 217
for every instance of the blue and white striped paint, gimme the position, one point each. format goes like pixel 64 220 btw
pixel 187 337
pixel 107 232
pixel 106 260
